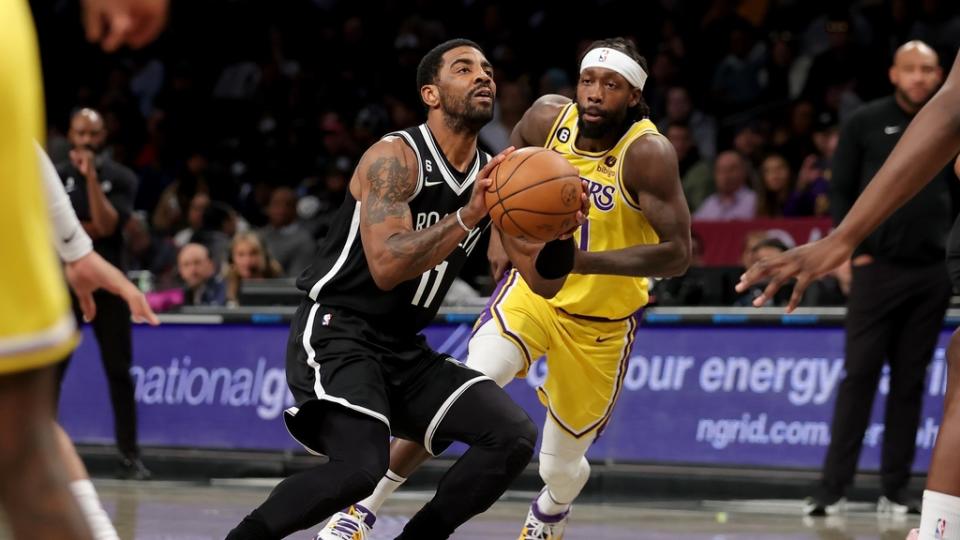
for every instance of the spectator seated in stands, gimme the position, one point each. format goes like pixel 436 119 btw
pixel 201 284
pixel 776 186
pixel 733 199
pixel 248 261
pixel 147 252
pixel 218 226
pixel 198 205
pixel 694 171
pixel 284 237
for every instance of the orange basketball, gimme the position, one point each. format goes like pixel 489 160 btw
pixel 535 194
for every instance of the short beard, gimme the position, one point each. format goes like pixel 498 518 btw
pixel 915 105
pixel 462 116
pixel 599 130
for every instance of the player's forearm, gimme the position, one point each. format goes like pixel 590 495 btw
pixel 665 259
pixel 69 237
pixel 406 255
pixel 103 215
pixel 929 143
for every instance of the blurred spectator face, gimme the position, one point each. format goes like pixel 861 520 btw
pixel 137 234
pixel 776 173
pixel 916 73
pixel 513 99
pixel 87 130
pixel 603 99
pixel 195 265
pixel 729 172
pixel 681 139
pixel 248 258
pixel 802 117
pixel 826 142
pixel 748 142
pixel 465 88
pixel 679 105
pixel 282 209
pixel 198 205
pixel 335 136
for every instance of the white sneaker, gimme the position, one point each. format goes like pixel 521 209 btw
pixel 892 507
pixel 355 523
pixel 540 526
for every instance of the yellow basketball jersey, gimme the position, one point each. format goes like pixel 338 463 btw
pixel 616 221
pixel 35 324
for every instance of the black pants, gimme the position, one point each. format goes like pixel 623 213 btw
pixel 112 327
pixel 501 438
pixel 894 313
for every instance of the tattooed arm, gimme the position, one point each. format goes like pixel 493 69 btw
pixel 386 178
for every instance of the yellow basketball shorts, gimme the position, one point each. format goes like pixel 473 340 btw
pixel 586 358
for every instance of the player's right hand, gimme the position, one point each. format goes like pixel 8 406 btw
pixel 805 263
pixel 476 209
pixel 583 213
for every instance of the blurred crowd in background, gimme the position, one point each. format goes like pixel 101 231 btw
pixel 244 122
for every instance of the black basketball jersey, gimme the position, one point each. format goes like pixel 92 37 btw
pixel 339 275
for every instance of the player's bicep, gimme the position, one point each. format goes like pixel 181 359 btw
pixel 387 179
pixel 659 191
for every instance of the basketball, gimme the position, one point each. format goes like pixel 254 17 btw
pixel 535 195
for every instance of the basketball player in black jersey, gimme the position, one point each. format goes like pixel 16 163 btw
pixel 930 141
pixel 356 364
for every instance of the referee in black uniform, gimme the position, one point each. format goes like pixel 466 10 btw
pixel 899 291
pixel 102 192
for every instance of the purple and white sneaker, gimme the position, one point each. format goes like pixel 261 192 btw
pixel 354 523
pixel 541 526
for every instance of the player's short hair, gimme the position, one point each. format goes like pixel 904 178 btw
pixel 627 47
pixel 430 64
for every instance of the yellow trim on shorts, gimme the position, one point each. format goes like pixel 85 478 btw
pixel 38 358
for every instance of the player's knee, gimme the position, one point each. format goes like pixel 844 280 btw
pixel 367 472
pixel 517 438
pixel 555 470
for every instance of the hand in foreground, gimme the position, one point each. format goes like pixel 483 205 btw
pixel 114 23
pixel 92 272
pixel 805 263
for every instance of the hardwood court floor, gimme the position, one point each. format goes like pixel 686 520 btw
pixel 206 511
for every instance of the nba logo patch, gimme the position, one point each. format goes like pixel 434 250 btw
pixel 941 529
pixel 326 319
pixel 603 55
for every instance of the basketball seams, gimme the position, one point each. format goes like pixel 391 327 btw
pixel 515 169
pixel 540 183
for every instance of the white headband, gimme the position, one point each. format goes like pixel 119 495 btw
pixel 617 61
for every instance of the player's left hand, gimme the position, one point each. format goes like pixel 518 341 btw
pixel 582 213
pixel 92 272
pixel 114 23
pixel 805 263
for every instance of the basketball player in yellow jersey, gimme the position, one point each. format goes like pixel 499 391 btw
pixel 36 328
pixel 638 226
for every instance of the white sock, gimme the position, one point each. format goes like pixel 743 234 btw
pixel 388 484
pixel 940 519
pixel 548 505
pixel 93 511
